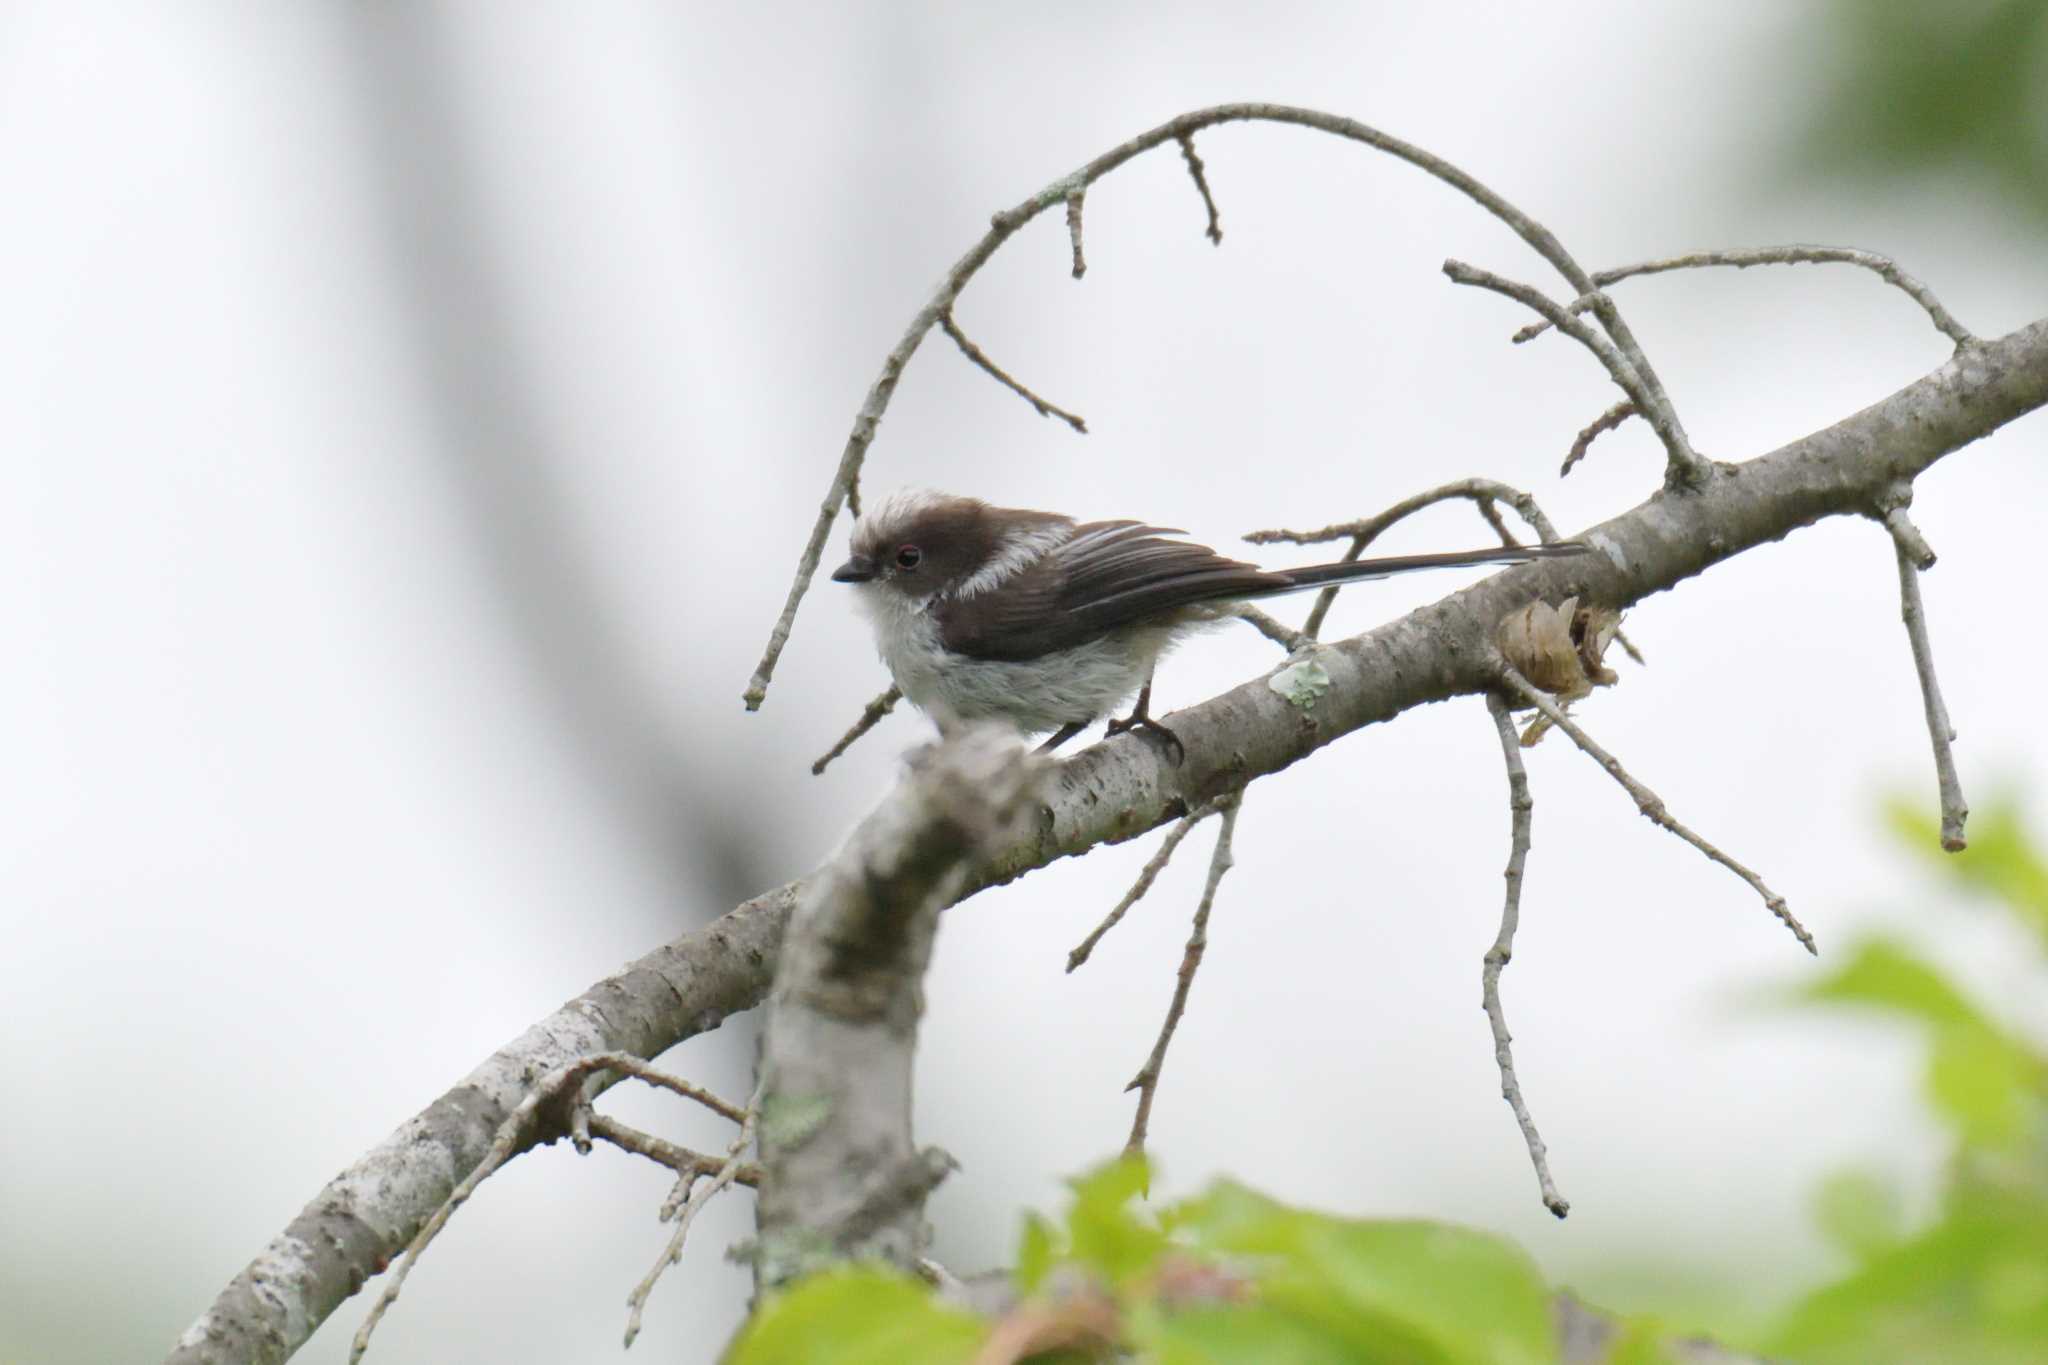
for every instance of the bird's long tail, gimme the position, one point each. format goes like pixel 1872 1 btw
pixel 1354 571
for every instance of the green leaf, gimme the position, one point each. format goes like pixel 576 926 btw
pixel 1905 87
pixel 1986 1083
pixel 857 1316
pixel 1035 1253
pixel 1104 1232
pixel 2002 861
pixel 1859 1212
pixel 1412 1292
pixel 1253 1332
pixel 1974 1287
pixel 1641 1342
pixel 1883 974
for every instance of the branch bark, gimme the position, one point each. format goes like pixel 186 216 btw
pixel 1117 790
pixel 843 1177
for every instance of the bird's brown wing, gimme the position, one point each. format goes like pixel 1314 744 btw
pixel 1108 574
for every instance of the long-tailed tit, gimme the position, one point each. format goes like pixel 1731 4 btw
pixel 1033 618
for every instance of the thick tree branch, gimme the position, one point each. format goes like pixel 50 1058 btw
pixel 843 1177
pixel 1120 789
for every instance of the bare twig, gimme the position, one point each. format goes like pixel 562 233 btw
pixel 1684 461
pixel 512 1135
pixel 701 1193
pixel 1914 554
pixel 1906 535
pixel 1146 876
pixel 1074 232
pixel 1521 808
pixel 675 1085
pixel 1648 802
pixel 845 485
pixel 1201 177
pixel 1279 632
pixel 1489 510
pixel 869 718
pixel 1146 1082
pixel 980 357
pixel 1485 493
pixel 1605 422
pixel 689 1164
pixel 1371 528
pixel 1884 267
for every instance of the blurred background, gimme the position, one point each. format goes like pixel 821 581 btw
pixel 410 416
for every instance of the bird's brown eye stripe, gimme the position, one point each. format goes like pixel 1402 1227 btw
pixel 909 556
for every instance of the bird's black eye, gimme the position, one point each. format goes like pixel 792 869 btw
pixel 908 556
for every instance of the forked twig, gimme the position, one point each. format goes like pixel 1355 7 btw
pixel 685 1162
pixel 1648 399
pixel 511 1138
pixel 1914 555
pixel 1146 876
pixel 1648 802
pixel 1521 808
pixel 1001 376
pixel 1741 258
pixel 701 1193
pixel 870 717
pixel 1146 1082
pixel 1485 493
pixel 844 489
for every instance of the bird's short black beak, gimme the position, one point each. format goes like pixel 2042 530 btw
pixel 859 569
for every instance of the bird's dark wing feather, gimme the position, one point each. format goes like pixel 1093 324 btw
pixel 1108 574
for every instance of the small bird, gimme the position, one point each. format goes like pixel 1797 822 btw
pixel 1047 623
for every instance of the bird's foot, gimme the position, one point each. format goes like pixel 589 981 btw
pixel 1139 720
pixel 1061 736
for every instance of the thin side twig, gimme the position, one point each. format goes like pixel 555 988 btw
pixel 844 489
pixel 1146 1082
pixel 1684 461
pixel 682 1160
pixel 1914 554
pixel 1149 874
pixel 995 371
pixel 1521 810
pixel 1279 632
pixel 1485 493
pixel 870 717
pixel 1074 232
pixel 511 1134
pixel 1489 511
pixel 1605 422
pixel 1200 174
pixel 701 1194
pixel 1648 802
pixel 1741 258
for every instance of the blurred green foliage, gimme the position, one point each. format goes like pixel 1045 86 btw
pixel 1227 1276
pixel 1910 86
pixel 1971 1285
pixel 1233 1276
